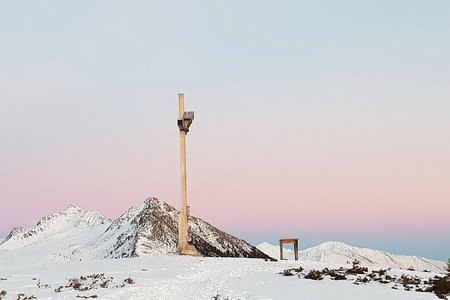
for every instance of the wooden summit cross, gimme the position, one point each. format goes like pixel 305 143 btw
pixel 184 122
pixel 289 241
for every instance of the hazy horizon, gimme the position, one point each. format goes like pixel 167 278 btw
pixel 312 241
pixel 319 119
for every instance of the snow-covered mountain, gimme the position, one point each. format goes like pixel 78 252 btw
pixel 72 224
pixel 339 253
pixel 151 227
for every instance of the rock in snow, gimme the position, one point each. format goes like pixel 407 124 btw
pixel 150 227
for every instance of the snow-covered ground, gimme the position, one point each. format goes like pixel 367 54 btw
pixel 39 272
pixel 181 277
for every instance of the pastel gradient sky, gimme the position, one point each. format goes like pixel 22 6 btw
pixel 327 120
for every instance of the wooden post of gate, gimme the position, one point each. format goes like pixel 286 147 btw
pixel 289 241
pixel 184 122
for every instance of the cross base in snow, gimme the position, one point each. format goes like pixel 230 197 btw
pixel 190 250
pixel 183 245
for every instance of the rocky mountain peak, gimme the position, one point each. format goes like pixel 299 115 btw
pixel 72 208
pixel 150 227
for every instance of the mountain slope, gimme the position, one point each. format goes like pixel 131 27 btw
pixel 152 228
pixel 340 253
pixel 71 225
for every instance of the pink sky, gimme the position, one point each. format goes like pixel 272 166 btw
pixel 323 120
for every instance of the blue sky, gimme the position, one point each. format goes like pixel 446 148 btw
pixel 327 109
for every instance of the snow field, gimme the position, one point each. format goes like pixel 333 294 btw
pixel 181 277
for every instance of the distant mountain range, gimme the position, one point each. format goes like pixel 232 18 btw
pixel 150 227
pixel 339 253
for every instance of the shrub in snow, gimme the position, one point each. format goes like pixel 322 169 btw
pixel 23 297
pixel 287 273
pixel 219 297
pixel 128 280
pixel 357 270
pixel 441 285
pixel 355 263
pixel 336 275
pixel 292 271
pixel 314 275
pixel 94 281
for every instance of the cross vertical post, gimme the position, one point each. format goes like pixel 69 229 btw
pixel 184 122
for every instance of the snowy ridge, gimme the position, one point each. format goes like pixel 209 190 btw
pixel 337 252
pixel 340 254
pixel 71 221
pixel 141 230
pixel 149 228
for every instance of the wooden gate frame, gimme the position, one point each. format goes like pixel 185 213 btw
pixel 289 241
